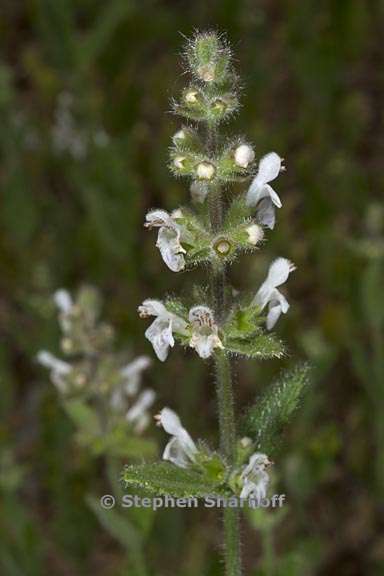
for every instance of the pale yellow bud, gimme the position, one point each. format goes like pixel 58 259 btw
pixel 177 213
pixel 179 161
pixel 245 442
pixel 205 171
pixel 180 135
pixel 244 155
pixel 207 72
pixel 191 96
pixel 67 345
pixel 255 234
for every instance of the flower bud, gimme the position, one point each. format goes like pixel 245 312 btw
pixel 206 72
pixel 255 234
pixel 179 162
pixel 179 136
pixel 245 442
pixel 67 345
pixel 205 171
pixel 244 155
pixel 191 96
pixel 219 106
pixel 209 58
pixel 178 213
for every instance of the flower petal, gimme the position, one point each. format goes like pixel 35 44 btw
pixel 279 271
pixel 266 213
pixel 50 361
pixel 157 218
pixel 269 191
pixel 168 242
pixel 144 401
pixel 278 304
pixel 269 167
pixel 152 308
pixel 174 452
pixel 160 335
pixel 63 301
pixel 171 423
pixel 135 367
pixel 201 316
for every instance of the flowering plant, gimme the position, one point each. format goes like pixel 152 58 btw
pixel 100 389
pixel 218 323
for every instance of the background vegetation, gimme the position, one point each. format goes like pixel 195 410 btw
pixel 84 94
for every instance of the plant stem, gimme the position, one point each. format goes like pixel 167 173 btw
pixel 224 393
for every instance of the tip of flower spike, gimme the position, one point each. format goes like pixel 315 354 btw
pixel 209 57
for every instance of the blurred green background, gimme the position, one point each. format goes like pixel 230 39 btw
pixel 84 100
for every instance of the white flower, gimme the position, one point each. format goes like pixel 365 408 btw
pixel 255 234
pixel 260 190
pixel 132 374
pixel 199 191
pixel 168 239
pixel 63 300
pixel 255 478
pixel 205 171
pixel 278 273
pixel 138 415
pixel 64 303
pixel 160 332
pixel 204 331
pixel 244 155
pixel 58 369
pixel 181 449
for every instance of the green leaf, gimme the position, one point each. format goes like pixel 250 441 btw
pixel 244 322
pixel 268 415
pixel 237 214
pixel 162 478
pixel 82 416
pixel 260 345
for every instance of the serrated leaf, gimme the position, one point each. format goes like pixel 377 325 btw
pixel 162 478
pixel 265 419
pixel 260 345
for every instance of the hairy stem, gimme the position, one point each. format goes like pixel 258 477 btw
pixel 224 390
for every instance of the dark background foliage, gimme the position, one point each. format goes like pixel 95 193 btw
pixel 313 91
